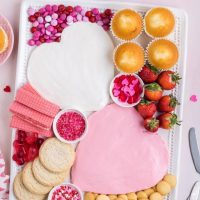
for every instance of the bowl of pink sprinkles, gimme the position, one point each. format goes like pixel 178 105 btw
pixel 65 191
pixel 70 126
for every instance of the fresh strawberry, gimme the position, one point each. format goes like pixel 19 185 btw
pixel 146 108
pixel 168 120
pixel 168 79
pixel 153 92
pixel 149 74
pixel 151 124
pixel 167 103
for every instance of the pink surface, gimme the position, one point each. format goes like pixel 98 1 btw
pixel 117 155
pixel 11 9
pixel 8 29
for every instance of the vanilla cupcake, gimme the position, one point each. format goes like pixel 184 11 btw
pixel 126 24
pixel 159 22
pixel 162 53
pixel 129 57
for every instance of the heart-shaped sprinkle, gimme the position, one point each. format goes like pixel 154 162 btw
pixel 116 92
pixel 2 165
pixel 2 189
pixel 7 88
pixel 125 82
pixel 193 98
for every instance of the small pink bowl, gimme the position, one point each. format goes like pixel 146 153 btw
pixel 9 31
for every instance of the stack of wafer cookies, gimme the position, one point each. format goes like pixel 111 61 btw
pixel 51 168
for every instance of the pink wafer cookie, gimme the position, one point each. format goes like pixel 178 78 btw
pixel 38 119
pixel 36 103
pixel 17 122
pixel 29 88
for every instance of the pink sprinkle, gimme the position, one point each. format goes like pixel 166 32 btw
pixel 95 11
pixel 193 98
pixel 54 8
pixel 85 19
pixel 71 126
pixel 125 82
pixel 78 9
pixel 54 16
pixel 40 20
pixel 69 19
pixel 31 42
pixel 30 11
pixel 35 24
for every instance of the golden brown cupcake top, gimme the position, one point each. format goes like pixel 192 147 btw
pixel 162 54
pixel 126 24
pixel 129 57
pixel 159 22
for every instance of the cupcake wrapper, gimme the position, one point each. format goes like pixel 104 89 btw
pixel 116 50
pixel 146 52
pixel 123 40
pixel 153 37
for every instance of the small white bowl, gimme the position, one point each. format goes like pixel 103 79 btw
pixel 57 133
pixel 64 184
pixel 125 104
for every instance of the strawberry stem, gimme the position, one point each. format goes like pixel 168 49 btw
pixel 174 120
pixel 173 101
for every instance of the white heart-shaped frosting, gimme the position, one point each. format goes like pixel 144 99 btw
pixel 77 71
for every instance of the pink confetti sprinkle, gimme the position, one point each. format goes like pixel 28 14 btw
pixel 66 192
pixel 193 98
pixel 71 126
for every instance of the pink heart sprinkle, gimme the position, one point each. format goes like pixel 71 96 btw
pixel 134 82
pixel 125 82
pixel 116 93
pixel 7 181
pixel 117 86
pixel 2 165
pixel 2 189
pixel 2 175
pixel 193 98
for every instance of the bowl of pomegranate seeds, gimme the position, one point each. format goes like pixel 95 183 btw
pixel 70 126
pixel 66 191
pixel 126 90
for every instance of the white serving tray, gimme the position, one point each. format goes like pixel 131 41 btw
pixel 173 137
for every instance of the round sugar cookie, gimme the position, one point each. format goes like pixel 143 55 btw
pixel 31 183
pixel 171 179
pixel 47 177
pixel 56 156
pixel 22 193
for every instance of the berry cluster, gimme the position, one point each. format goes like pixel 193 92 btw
pixel 156 83
pixel 49 21
pixel 26 147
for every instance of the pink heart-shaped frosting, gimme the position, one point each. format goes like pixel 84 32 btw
pixel 117 155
